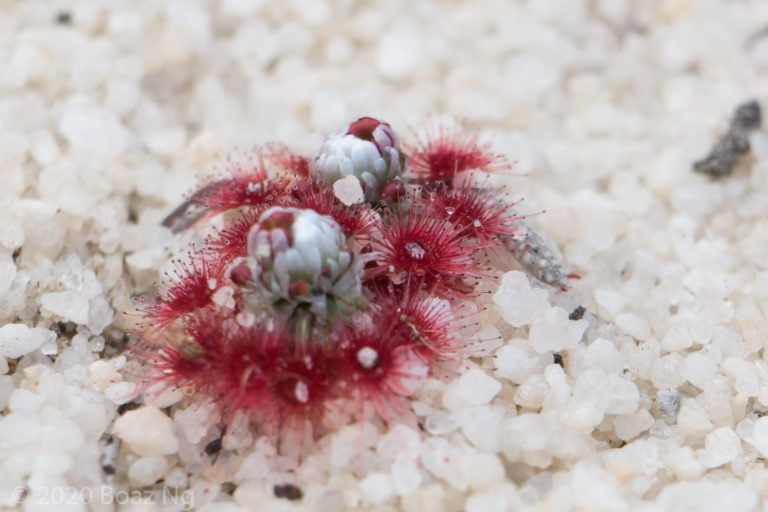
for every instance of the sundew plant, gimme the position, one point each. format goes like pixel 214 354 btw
pixel 338 282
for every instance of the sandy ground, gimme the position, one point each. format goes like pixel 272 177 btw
pixel 111 112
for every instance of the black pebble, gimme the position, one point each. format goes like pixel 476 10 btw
pixel 64 18
pixel 213 447
pixel 128 406
pixel 724 155
pixel 577 313
pixel 558 359
pixel 288 491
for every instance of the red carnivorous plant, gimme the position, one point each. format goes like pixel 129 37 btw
pixel 301 298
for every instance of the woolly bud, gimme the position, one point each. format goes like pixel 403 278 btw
pixel 369 151
pixel 301 256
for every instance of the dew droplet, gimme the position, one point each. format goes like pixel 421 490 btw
pixel 450 210
pixel 301 392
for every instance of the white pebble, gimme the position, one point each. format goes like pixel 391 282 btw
pixel 439 423
pixel 120 392
pixel 722 445
pixel 195 421
pixel 517 301
pixel 629 426
pixel 11 234
pixel 122 97
pixel 255 465
pixel 481 426
pixel 100 315
pixel 429 498
pixel 147 431
pixel 516 361
pixel 344 446
pixel 405 475
pixel 166 398
pixel 147 470
pixel 475 387
pixel 590 398
pixel 526 437
pixel 70 305
pixel 24 400
pixel 746 378
pixel 707 496
pixel 376 487
pixel 400 441
pixel 103 374
pixel 678 337
pixel 633 325
pixel 602 353
pixel 176 478
pixel 7 273
pixel 399 53
pixel 552 331
pixel 6 388
pixel 693 418
pixel 529 76
pixel 683 463
pixel 487 502
pixel 252 491
pixel 93 132
pixel 532 392
pixel 595 489
pixel 610 300
pixel 17 340
pixel 668 371
pixel 44 148
pixel 760 436
pixel 481 470
pixel 165 141
pixel 348 190
pixel 700 369
pixel 238 435
pixel 623 396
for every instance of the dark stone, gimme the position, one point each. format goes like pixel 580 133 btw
pixel 735 142
pixel 288 491
pixel 213 447
pixel 128 406
pixel 577 313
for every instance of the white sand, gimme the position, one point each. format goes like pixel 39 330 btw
pixel 110 111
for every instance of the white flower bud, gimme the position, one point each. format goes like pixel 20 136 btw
pixel 301 256
pixel 369 151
